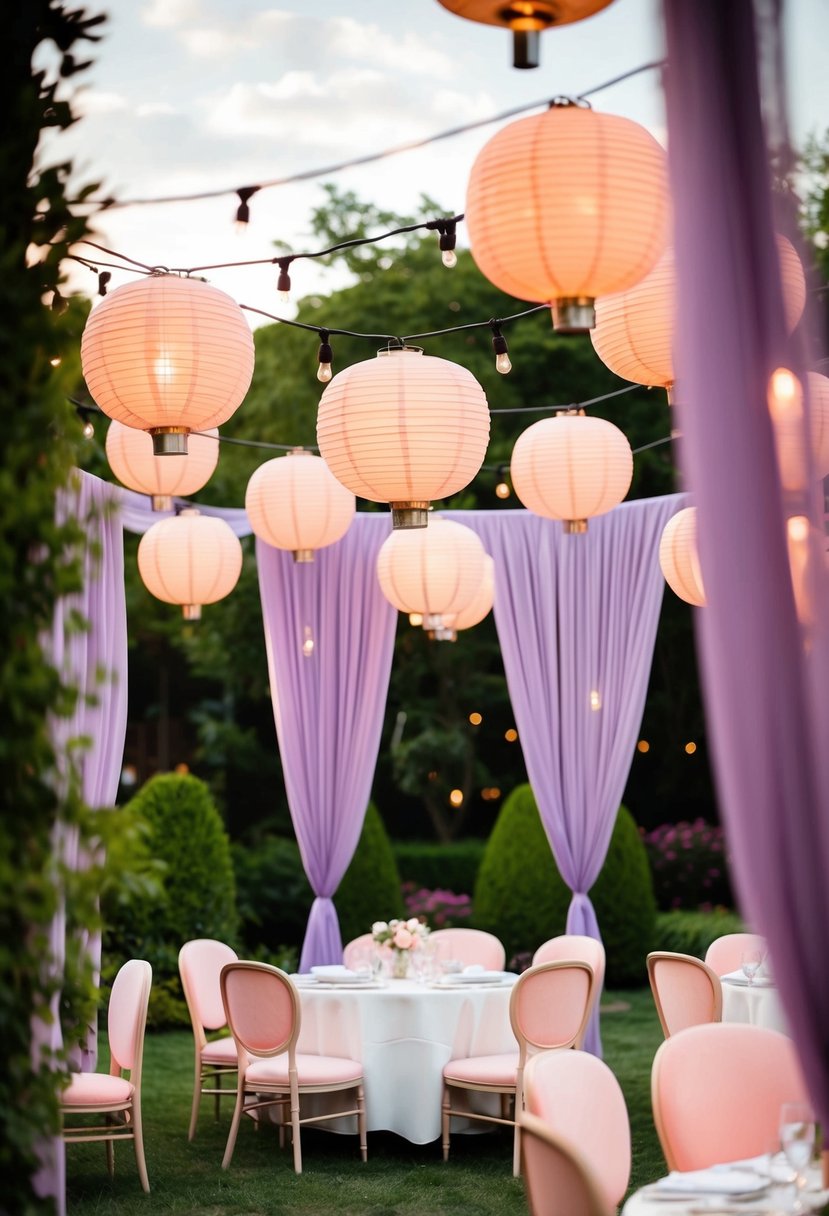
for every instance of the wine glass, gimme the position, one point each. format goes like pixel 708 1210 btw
pixel 797 1139
pixel 752 961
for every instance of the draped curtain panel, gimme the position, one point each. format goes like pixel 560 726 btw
pixel 330 637
pixel 765 670
pixel 576 619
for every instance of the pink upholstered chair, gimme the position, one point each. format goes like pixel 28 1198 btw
pixel 580 1101
pixel 558 1180
pixel 94 1093
pixel 686 991
pixel 357 950
pixel 200 963
pixel 263 1012
pixel 717 1092
pixel 726 953
pixel 548 1008
pixel 470 946
pixel 577 946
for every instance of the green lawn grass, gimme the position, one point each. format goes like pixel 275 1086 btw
pixel 399 1179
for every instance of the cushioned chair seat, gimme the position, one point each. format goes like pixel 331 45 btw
pixel 311 1070
pixel 484 1070
pixel 222 1051
pixel 97 1089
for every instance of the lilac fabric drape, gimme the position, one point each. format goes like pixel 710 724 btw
pixel 329 703
pixel 765 671
pixel 576 619
pixel 137 512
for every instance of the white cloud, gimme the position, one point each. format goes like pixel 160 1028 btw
pixel 214 42
pixel 167 14
pixel 154 109
pixel 95 101
pixel 346 38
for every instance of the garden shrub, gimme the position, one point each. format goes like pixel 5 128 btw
pixel 689 864
pixel 448 866
pixel 693 932
pixel 521 897
pixel 274 896
pixel 439 909
pixel 370 889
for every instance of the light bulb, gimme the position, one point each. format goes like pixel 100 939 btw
pixel 308 644
pixel 416 618
pixel 240 227
pixel 324 372
pixel 55 362
pixel 502 490
pixel 502 363
pixel 449 258
pixel 284 296
pixel 88 430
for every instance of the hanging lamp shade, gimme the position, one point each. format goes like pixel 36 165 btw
pixel 571 468
pixel 436 571
pixel 526 19
pixel 190 559
pixel 634 331
pixel 132 460
pixel 405 428
pixel 793 282
pixel 679 558
pixel 475 611
pixel 568 205
pixel 818 386
pixel 167 355
pixel 785 401
pixel 295 502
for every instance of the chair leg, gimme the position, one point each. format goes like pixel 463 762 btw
pixel 234 1124
pixel 138 1141
pixel 217 1097
pixel 110 1153
pixel 194 1109
pixel 444 1122
pixel 361 1122
pixel 295 1134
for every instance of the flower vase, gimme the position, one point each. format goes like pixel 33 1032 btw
pixel 400 964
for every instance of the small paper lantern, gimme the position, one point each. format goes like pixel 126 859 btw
pixel 571 468
pixel 526 19
pixel 295 502
pixel 818 386
pixel 679 559
pixel 404 429
pixel 190 559
pixel 793 282
pixel 436 571
pixel 785 401
pixel 132 460
pixel 568 205
pixel 167 355
pixel 475 611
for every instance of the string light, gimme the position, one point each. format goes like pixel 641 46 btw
pixel 245 193
pixel 448 239
pixel 502 489
pixel 283 283
pixel 499 345
pixel 326 357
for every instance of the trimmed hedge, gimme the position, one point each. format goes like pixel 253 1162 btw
pixel 452 867
pixel 370 889
pixel 274 896
pixel 693 932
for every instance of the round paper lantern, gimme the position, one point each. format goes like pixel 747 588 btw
pixel 793 282
pixel 819 421
pixel 568 205
pixel 785 400
pixel 132 460
pixel 571 468
pixel 526 19
pixel 634 331
pixel 190 559
pixel 167 355
pixel 475 611
pixel 404 428
pixel 436 571
pixel 679 559
pixel 294 502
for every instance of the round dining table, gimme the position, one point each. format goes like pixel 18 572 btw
pixel 404 1033
pixel 757 1004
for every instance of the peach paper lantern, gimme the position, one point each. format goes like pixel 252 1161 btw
pixel 167 355
pixel 571 467
pixel 526 19
pixel 786 406
pixel 404 428
pixel 568 205
pixel 132 460
pixel 473 613
pixel 679 559
pixel 436 571
pixel 295 502
pixel 793 282
pixel 190 559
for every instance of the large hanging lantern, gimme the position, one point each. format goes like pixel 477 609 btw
pixel 679 558
pixel 167 355
pixel 568 205
pixel 405 428
pixel 475 611
pixel 190 559
pixel 785 401
pixel 571 467
pixel 436 571
pixel 294 502
pixel 132 460
pixel 526 19
pixel 819 421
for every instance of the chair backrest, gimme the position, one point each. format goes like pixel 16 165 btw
pixel 558 1181
pixel 717 1092
pixel 200 963
pixel 471 946
pixel 580 1100
pixel 356 950
pixel 550 1004
pixel 577 946
pixel 686 991
pixel 726 953
pixel 262 1008
pixel 127 1017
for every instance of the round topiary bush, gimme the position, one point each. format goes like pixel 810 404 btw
pixel 521 897
pixel 370 889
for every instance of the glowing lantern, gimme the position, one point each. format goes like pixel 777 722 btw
pixel 132 460
pixel 679 559
pixel 404 429
pixel 571 468
pixel 168 355
pixel 475 611
pixel 793 282
pixel 526 19
pixel 190 559
pixel 294 502
pixel 566 206
pixel 819 421
pixel 436 571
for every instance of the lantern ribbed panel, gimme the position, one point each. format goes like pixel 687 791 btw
pixel 435 570
pixel 793 282
pixel 480 606
pixel 496 12
pixel 403 427
pixel 634 330
pixel 130 456
pixel 819 421
pixel 166 351
pixel 568 203
pixel 571 467
pixel 190 559
pixel 678 557
pixel 295 502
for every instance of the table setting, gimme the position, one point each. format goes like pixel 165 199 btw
pixel 750 994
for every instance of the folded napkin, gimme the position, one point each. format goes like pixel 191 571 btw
pixel 334 971
pixel 737 977
pixel 741 1178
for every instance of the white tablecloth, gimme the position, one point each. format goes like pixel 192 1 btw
pixel 404 1034
pixel 777 1198
pixel 757 1005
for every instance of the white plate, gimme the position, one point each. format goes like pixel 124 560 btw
pixel 463 978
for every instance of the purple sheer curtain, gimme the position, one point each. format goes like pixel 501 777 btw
pixel 576 619
pixel 330 637
pixel 138 515
pixel 765 672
